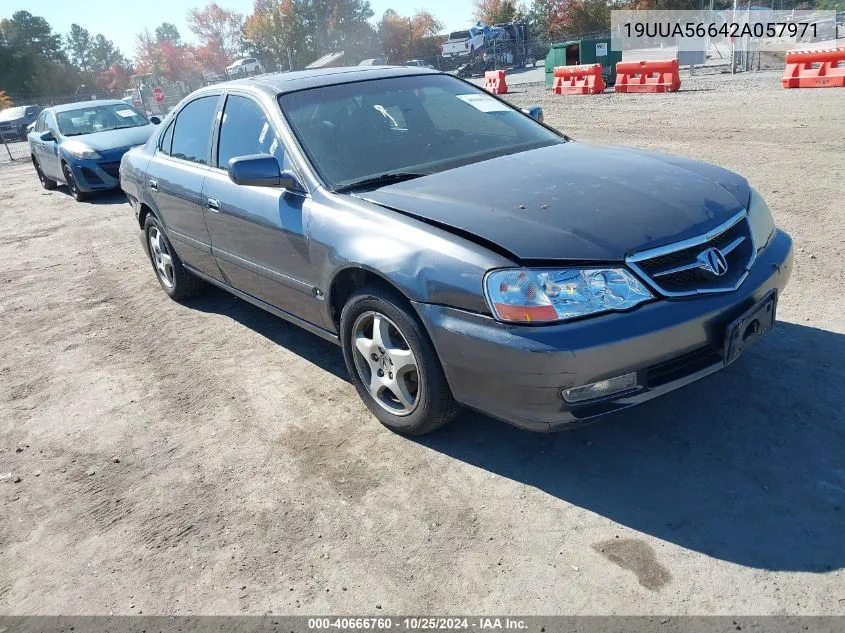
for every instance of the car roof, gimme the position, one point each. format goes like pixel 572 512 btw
pixel 280 83
pixel 82 104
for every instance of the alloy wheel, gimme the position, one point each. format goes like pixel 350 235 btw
pixel 162 259
pixel 385 363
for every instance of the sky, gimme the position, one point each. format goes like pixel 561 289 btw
pixel 120 21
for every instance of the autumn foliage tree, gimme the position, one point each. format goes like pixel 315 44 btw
pixel 404 37
pixel 495 11
pixel 115 79
pixel 215 25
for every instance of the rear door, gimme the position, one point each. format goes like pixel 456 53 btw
pixel 257 233
pixel 175 178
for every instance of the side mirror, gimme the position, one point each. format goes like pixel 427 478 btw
pixel 47 136
pixel 155 120
pixel 261 170
pixel 535 112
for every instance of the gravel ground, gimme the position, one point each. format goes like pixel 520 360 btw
pixel 209 458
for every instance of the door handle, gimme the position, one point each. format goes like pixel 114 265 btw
pixel 153 184
pixel 213 205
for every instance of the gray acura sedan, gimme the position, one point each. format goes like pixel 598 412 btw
pixel 458 250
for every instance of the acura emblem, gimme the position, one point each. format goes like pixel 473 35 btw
pixel 713 261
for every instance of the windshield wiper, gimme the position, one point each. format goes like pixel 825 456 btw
pixel 389 178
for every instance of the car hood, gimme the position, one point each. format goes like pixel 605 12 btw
pixel 12 122
pixel 115 139
pixel 573 201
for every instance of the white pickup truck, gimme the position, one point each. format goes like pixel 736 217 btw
pixel 463 43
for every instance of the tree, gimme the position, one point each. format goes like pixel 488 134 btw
pixel 32 58
pixel 79 44
pixel 164 59
pixel 576 17
pixel 402 37
pixel 26 33
pixel 167 32
pixel 274 30
pixel 210 56
pixel 337 25
pixel 495 11
pixel 218 25
pixel 114 80
pixel 5 100
pixel 104 54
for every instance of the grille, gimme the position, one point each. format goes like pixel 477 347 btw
pixel 682 366
pixel 112 169
pixel 681 269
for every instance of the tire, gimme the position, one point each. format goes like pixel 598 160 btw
pixel 48 184
pixel 176 280
pixel 79 196
pixel 423 386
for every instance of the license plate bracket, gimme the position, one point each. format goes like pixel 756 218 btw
pixel 750 327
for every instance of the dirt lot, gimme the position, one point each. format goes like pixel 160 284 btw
pixel 209 458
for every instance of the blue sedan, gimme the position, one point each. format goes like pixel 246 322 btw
pixel 81 144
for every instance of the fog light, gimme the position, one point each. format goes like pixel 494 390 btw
pixel 601 389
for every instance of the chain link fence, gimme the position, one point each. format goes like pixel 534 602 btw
pixel 13 150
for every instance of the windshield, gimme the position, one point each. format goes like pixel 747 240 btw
pixel 99 118
pixel 420 124
pixel 10 114
pixel 459 35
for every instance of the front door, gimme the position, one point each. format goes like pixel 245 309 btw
pixel 48 151
pixel 257 233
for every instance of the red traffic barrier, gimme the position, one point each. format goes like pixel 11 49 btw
pixel 650 76
pixel 578 80
pixel 815 69
pixel 494 81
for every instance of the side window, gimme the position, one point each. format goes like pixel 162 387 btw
pixel 40 125
pixel 245 130
pixel 167 139
pixel 192 130
pixel 51 123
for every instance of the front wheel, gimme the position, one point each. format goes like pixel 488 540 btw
pixel 393 364
pixel 73 187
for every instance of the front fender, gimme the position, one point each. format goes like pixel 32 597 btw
pixel 424 262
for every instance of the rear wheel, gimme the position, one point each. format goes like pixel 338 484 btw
pixel 78 195
pixel 47 183
pixel 393 364
pixel 176 280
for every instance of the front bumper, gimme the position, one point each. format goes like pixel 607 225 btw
pixel 516 373
pixel 97 175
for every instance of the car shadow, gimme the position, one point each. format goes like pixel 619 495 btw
pixel 114 196
pixel 747 465
pixel 311 347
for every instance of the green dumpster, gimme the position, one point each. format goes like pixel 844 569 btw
pixel 577 52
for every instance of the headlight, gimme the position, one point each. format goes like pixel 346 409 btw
pixel 80 150
pixel 543 295
pixel 760 218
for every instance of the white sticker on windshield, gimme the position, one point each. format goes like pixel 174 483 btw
pixel 263 132
pixel 484 103
pixel 126 114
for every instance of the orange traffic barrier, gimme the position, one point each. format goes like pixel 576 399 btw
pixel 494 81
pixel 650 76
pixel 815 69
pixel 578 80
